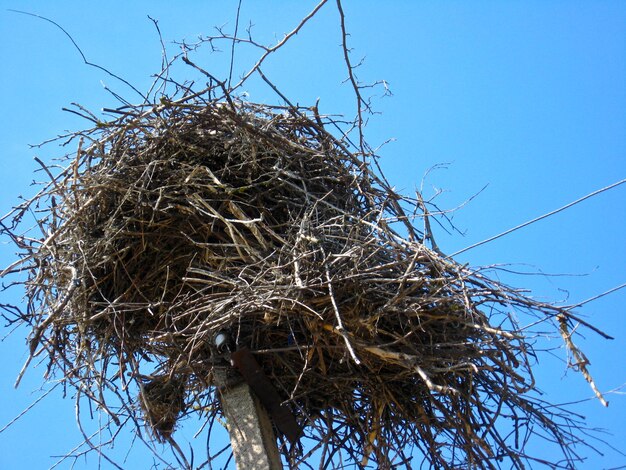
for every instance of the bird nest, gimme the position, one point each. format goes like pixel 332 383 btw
pixel 184 219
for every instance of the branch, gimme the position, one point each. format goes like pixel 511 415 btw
pixel 353 80
pixel 278 45
pixel 232 49
pixel 81 52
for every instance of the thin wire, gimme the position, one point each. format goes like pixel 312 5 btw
pixel 28 408
pixel 537 219
pixel 596 297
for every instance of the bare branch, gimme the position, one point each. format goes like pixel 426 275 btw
pixel 91 64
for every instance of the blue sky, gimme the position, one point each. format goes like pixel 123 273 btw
pixel 526 98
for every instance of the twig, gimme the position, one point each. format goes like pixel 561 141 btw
pixel 581 359
pixel 232 49
pixel 91 64
pixel 355 85
pixel 277 46
pixel 339 328
pixel 38 331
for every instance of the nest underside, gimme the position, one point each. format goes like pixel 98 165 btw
pixel 172 224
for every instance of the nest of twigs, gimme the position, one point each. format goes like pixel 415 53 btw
pixel 183 219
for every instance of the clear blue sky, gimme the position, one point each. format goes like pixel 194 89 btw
pixel 528 98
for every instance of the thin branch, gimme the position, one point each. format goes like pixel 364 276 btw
pixel 353 80
pixel 277 46
pixel 91 64
pixel 340 328
pixel 232 49
pixel 581 359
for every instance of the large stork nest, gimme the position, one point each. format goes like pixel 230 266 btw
pixel 183 219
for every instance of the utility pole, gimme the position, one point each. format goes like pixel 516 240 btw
pixel 251 435
pixel 248 402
